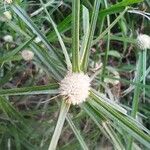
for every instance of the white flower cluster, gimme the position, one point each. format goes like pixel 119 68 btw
pixel 75 87
pixel 143 41
pixel 8 1
pixel 27 55
pixel 8 38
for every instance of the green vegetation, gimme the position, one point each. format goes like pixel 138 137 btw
pixel 97 37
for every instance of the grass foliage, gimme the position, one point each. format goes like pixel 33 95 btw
pixel 91 36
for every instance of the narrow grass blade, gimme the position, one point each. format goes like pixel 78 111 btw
pixel 109 27
pixel 86 54
pixel 49 61
pixel 18 127
pixel 46 89
pixel 101 121
pixel 62 27
pixel 22 14
pixel 9 110
pixel 61 119
pixel 136 93
pixel 86 26
pixel 68 62
pixel 137 88
pixel 55 69
pixel 144 70
pixel 75 35
pixel 130 82
pixel 118 7
pixel 114 137
pixel 125 122
pixel 147 71
pixel 77 133
pixel 41 8
pixel 108 46
pixel 110 102
pixel 97 118
pixel 11 54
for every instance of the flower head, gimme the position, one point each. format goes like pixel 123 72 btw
pixel 75 86
pixel 7 15
pixel 143 41
pixel 27 55
pixel 8 38
pixel 8 1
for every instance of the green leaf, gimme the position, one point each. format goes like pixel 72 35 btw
pixel 75 35
pixel 101 121
pixel 55 68
pixel 62 27
pixel 45 89
pixel 118 7
pixel 61 119
pixel 68 62
pixel 128 124
pixel 137 92
pixel 112 53
pixel 11 54
pixel 86 54
pixel 86 26
pixel 109 27
pixel 77 133
pixel 115 138
pixel 22 14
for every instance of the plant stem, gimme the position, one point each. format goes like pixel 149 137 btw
pixel 61 119
pixel 77 133
pixel 108 28
pixel 144 71
pixel 84 62
pixel 75 35
pixel 108 46
pixel 136 93
pixel 137 88
pixel 114 137
pixel 68 62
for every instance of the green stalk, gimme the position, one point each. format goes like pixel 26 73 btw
pixel 61 119
pixel 108 28
pixel 137 88
pixel 84 62
pixel 114 137
pixel 127 123
pixel 136 93
pixel 77 133
pixel 75 35
pixel 68 62
pixel 144 71
pixel 108 45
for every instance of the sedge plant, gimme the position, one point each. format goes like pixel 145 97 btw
pixel 74 85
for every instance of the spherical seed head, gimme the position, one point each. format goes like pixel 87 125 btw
pixel 8 1
pixel 75 86
pixel 27 55
pixel 143 41
pixel 7 15
pixel 8 38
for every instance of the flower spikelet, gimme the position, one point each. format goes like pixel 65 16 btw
pixel 8 38
pixel 143 41
pixel 75 86
pixel 27 55
pixel 8 1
